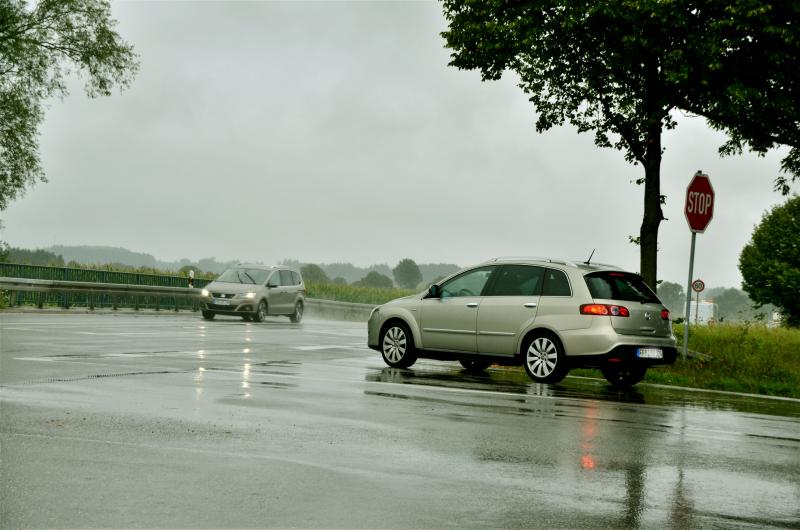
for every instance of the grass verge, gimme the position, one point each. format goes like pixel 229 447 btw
pixel 743 358
pixel 351 293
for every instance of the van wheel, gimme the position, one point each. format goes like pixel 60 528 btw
pixel 261 312
pixel 208 315
pixel 475 365
pixel 543 358
pixel 297 316
pixel 397 346
pixel 623 376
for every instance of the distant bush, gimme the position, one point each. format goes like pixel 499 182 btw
pixel 314 273
pixel 375 280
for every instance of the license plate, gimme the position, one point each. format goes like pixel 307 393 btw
pixel 220 301
pixel 650 353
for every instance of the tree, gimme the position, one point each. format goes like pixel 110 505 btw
pixel 407 274
pixel 314 274
pixel 375 280
pixel 620 68
pixel 673 296
pixel 40 44
pixel 339 281
pixel 770 262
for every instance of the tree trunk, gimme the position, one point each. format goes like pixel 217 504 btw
pixel 648 234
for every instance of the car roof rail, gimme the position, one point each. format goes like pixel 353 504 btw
pixel 567 262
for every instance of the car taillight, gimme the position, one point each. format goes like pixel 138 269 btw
pixel 605 310
pixel 665 314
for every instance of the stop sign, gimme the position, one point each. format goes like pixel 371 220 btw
pixel 699 207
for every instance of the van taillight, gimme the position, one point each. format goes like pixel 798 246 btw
pixel 605 310
pixel 665 314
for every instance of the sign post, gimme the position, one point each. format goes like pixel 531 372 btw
pixel 699 209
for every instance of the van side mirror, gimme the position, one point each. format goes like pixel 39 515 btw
pixel 272 283
pixel 434 291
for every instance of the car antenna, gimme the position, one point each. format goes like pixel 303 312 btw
pixel 590 256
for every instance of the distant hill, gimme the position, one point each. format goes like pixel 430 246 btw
pixel 353 273
pixel 102 255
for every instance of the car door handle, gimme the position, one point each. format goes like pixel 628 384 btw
pixel 531 304
pixel 472 304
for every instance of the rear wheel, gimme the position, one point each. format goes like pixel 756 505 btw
pixel 208 315
pixel 297 316
pixel 475 365
pixel 261 312
pixel 624 376
pixel 544 359
pixel 397 346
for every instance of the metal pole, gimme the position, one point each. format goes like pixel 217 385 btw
pixel 697 309
pixel 688 300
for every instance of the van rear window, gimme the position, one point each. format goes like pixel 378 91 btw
pixel 619 286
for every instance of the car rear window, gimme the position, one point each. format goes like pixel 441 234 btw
pixel 619 286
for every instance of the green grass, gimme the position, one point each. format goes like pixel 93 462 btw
pixel 350 293
pixel 743 358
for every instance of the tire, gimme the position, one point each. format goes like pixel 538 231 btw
pixel 208 315
pixel 543 358
pixel 261 312
pixel 397 346
pixel 624 376
pixel 475 365
pixel 297 316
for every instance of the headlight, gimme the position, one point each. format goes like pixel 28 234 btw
pixel 249 296
pixel 205 292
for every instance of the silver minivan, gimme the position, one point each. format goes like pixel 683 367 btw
pixel 548 315
pixel 255 291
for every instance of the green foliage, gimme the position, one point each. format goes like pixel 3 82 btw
pixel 314 273
pixel 407 274
pixel 375 280
pixel 770 262
pixel 40 43
pixel 34 257
pixel 354 293
pixel 339 281
pixel 620 68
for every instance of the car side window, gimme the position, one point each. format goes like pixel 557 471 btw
pixel 556 283
pixel 286 277
pixel 295 278
pixel 470 283
pixel 275 279
pixel 517 280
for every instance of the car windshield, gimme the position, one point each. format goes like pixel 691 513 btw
pixel 620 286
pixel 243 275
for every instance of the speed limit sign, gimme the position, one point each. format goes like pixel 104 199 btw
pixel 698 286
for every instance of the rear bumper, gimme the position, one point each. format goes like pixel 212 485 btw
pixel 624 354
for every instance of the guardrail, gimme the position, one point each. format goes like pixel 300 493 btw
pixel 40 272
pixel 29 291
pixel 65 294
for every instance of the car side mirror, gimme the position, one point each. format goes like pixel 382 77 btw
pixel 434 291
pixel 271 284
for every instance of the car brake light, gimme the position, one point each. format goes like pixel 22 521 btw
pixel 605 309
pixel 665 314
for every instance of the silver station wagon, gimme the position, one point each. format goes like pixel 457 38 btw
pixel 547 315
pixel 255 291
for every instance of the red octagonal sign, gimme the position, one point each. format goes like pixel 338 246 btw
pixel 699 207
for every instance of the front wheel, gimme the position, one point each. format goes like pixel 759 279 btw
pixel 208 315
pixel 544 359
pixel 475 365
pixel 261 312
pixel 624 376
pixel 297 316
pixel 397 346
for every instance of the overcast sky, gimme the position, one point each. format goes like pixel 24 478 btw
pixel 336 132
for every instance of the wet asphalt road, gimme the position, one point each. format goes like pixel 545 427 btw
pixel 171 421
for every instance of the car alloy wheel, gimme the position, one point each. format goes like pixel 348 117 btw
pixel 297 316
pixel 397 346
pixel 544 360
pixel 261 312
